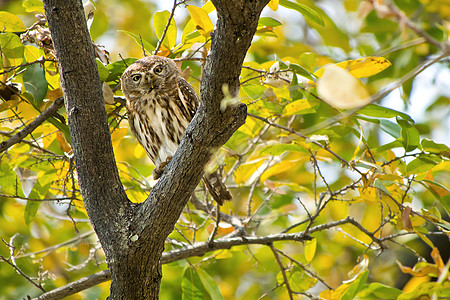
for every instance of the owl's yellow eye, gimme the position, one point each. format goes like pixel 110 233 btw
pixel 136 77
pixel 158 69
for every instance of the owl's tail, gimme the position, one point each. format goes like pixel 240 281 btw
pixel 216 188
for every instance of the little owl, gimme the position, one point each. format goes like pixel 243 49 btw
pixel 160 106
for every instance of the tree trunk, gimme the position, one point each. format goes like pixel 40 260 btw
pixel 131 235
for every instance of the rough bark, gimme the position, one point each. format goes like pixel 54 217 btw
pixel 133 236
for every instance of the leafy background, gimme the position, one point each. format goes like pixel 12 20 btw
pixel 376 178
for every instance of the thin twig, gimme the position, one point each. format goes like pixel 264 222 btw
pixel 34 199
pixel 167 27
pixel 21 273
pixel 37 61
pixel 197 249
pixel 55 247
pixel 283 271
pixel 342 160
pixel 310 273
pixel 49 112
pixel 377 96
pixel 216 226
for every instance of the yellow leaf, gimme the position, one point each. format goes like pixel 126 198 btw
pixel 117 135
pixel 283 166
pixel 361 135
pixel 139 151
pixel 160 20
pixel 365 67
pixel 63 144
pixel 361 67
pixel 273 4
pixel 301 106
pixel 202 21
pixel 434 187
pixel 310 249
pixel 414 282
pixel 369 195
pixel 251 127
pixel 10 22
pixel 425 239
pixel 244 171
pixel 9 104
pixel 340 89
pixel 54 94
pixel 32 53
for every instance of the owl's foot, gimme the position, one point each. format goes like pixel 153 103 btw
pixel 158 171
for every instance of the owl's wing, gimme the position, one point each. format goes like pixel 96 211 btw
pixel 189 99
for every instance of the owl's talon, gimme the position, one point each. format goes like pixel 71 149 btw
pixel 158 171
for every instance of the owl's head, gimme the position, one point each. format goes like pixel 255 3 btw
pixel 151 73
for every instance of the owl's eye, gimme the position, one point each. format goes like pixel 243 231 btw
pixel 136 77
pixel 158 69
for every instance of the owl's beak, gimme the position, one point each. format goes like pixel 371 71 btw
pixel 151 84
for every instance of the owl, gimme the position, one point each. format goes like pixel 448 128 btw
pixel 160 106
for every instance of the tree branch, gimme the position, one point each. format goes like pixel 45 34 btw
pixel 198 249
pixel 283 271
pixel 201 248
pixel 49 112
pixel 133 235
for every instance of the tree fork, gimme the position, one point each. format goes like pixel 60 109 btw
pixel 133 236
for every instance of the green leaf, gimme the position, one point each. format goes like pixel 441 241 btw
pixel 355 286
pixel 279 149
pixel 210 284
pixel 39 191
pixel 308 60
pixel 379 185
pixel 33 6
pixel 103 72
pixel 9 182
pixel 10 23
pixel 269 22
pixel 431 146
pixel 445 202
pixel 410 135
pixel 140 41
pixel 390 128
pixel 294 91
pixel 31 210
pixel 12 48
pixel 300 281
pixel 117 68
pixel 378 111
pixel 191 285
pixel 426 290
pixel 160 20
pixel 35 83
pixel 388 146
pixel 420 165
pixel 307 12
pixel 266 32
pixel 380 291
pixel 301 71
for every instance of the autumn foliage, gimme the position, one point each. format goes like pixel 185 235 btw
pixel 340 175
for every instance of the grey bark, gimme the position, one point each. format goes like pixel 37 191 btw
pixel 133 236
